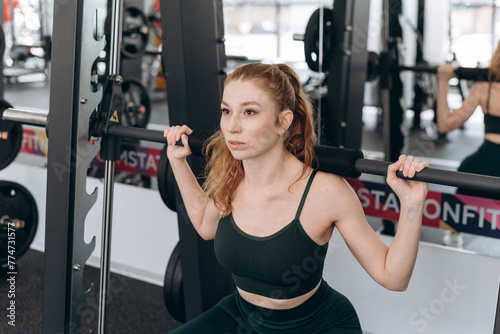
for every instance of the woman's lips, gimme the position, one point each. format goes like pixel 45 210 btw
pixel 234 144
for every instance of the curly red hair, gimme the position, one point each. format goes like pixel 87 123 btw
pixel 223 172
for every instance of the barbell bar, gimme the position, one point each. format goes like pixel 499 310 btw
pixel 471 181
pixel 11 132
pixel 341 161
pixel 463 73
pixel 26 116
pixel 376 67
pixel 351 163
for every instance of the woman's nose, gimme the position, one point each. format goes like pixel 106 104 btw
pixel 233 124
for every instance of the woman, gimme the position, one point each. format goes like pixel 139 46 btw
pixel 486 159
pixel 272 215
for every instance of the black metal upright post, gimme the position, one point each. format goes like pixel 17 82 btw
pixel 419 95
pixel 74 50
pixel 2 49
pixel 391 86
pixel 396 86
pixel 194 64
pixel 347 74
pixel 59 213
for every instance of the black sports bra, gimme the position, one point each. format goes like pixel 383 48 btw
pixel 284 265
pixel 491 122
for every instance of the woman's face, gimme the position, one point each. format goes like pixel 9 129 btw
pixel 248 121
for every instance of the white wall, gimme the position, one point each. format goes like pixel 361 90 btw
pixel 144 230
pixel 409 23
pixel 436 41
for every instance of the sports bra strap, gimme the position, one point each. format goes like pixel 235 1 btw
pixel 488 100
pixel 303 200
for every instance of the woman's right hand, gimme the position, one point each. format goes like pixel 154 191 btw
pixel 173 134
pixel 446 72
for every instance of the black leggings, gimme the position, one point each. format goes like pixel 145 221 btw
pixel 485 161
pixel 327 311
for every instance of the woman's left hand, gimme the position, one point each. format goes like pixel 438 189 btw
pixel 407 190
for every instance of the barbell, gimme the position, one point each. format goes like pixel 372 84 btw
pixel 377 65
pixel 376 68
pixel 136 113
pixel 341 161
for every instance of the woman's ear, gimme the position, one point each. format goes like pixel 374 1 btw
pixel 286 118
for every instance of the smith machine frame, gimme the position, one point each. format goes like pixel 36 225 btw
pixel 195 65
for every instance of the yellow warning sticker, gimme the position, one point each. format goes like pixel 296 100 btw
pixel 114 117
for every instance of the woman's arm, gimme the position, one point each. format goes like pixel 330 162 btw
pixel 447 119
pixel 392 266
pixel 200 208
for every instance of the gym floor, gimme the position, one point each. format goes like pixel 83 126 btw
pixel 134 307
pixel 139 307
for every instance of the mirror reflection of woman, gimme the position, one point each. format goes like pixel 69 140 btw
pixel 486 159
pixel 272 215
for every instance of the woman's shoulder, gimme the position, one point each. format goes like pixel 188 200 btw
pixel 480 86
pixel 328 177
pixel 331 184
pixel 479 92
pixel 331 193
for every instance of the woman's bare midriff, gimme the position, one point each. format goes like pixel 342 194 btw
pixel 276 304
pixel 493 137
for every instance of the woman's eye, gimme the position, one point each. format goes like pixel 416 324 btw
pixel 249 112
pixel 225 111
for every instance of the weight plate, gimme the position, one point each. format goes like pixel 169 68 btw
pixel 135 34
pixel 311 39
pixel 11 138
pixel 173 292
pixel 137 105
pixel 18 221
pixel 166 181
